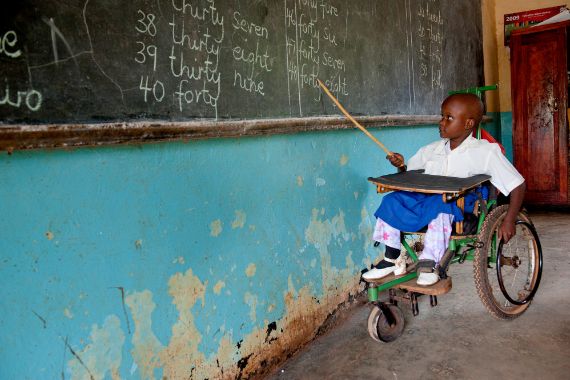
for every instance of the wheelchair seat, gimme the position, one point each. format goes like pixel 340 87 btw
pixel 451 188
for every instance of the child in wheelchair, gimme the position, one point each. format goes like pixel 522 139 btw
pixel 457 154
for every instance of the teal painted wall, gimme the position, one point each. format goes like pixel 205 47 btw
pixel 172 259
pixel 501 127
pixel 507 133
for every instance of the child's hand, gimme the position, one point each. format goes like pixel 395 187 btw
pixel 396 159
pixel 507 230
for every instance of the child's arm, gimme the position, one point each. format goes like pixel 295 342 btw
pixel 397 160
pixel 507 230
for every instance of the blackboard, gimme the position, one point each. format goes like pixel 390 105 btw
pixel 75 61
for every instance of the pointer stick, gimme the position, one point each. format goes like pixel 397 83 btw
pixel 349 117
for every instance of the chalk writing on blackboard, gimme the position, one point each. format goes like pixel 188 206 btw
pixel 251 52
pixel 188 60
pixel 30 98
pixel 310 42
pixel 430 43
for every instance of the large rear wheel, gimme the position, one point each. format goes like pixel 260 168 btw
pixel 507 275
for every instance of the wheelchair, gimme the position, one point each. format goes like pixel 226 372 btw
pixel 507 275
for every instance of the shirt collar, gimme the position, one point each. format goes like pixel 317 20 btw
pixel 469 141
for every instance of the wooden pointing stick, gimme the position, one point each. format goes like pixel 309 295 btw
pixel 349 117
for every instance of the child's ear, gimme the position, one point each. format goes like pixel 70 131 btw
pixel 470 124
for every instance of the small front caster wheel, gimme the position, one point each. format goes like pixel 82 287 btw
pixel 378 326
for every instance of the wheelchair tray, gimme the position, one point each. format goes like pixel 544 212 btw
pixel 417 181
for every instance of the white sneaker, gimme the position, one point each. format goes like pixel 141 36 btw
pixel 399 268
pixel 427 279
pixel 376 274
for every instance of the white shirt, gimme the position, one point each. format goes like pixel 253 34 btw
pixel 470 158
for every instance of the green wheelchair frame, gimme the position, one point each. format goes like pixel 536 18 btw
pixel 493 263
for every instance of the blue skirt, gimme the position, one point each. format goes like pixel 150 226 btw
pixel 409 211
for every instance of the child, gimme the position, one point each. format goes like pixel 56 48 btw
pixel 457 154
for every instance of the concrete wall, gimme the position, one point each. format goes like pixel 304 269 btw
pixel 209 259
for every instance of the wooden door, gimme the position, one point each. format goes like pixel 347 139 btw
pixel 539 89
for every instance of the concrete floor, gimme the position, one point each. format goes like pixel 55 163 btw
pixel 458 339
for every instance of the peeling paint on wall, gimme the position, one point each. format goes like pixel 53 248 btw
pixel 181 357
pixel 216 228
pixel 250 270
pixel 365 231
pixel 240 219
pixel 251 301
pixel 146 346
pixel 218 287
pixel 320 233
pixel 102 355
pixel 198 322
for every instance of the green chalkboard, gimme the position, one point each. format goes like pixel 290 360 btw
pixel 76 61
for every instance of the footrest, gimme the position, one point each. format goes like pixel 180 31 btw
pixel 440 287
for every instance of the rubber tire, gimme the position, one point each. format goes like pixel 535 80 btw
pixel 481 271
pixel 378 328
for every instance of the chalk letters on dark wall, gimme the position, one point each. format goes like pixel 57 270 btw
pixel 99 60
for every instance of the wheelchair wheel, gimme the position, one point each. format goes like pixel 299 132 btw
pixel 507 275
pixel 378 327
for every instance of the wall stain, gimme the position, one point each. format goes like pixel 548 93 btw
pixel 240 219
pixel 320 233
pixel 68 313
pixel 300 181
pixel 216 228
pixel 256 352
pixel 251 301
pixel 102 355
pixel 250 270
pixel 343 160
pixel 146 346
pixel 365 230
pixel 270 327
pixel 218 287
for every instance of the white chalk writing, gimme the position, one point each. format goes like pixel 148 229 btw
pixel 311 49
pixel 430 42
pixel 7 44
pixel 148 53
pixel 32 99
pixel 145 24
pixel 195 54
pixel 250 52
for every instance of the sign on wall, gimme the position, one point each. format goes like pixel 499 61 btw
pixel 520 20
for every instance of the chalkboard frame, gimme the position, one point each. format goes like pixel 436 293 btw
pixel 43 136
pixel 381 101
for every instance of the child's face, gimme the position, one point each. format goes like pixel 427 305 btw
pixel 454 121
